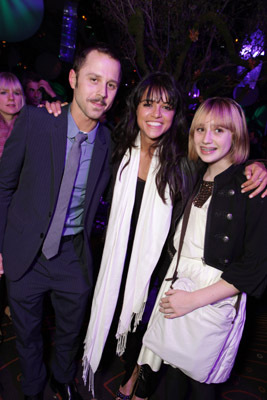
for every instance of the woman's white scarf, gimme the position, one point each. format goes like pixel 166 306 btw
pixel 150 235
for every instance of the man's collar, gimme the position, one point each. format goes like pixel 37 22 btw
pixel 73 129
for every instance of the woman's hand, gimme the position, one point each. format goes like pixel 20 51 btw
pixel 54 107
pixel 256 174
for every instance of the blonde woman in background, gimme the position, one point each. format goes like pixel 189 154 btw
pixel 11 102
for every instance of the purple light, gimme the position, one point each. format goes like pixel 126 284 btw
pixel 253 46
pixel 68 32
pixel 194 93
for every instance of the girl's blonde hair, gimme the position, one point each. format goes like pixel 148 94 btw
pixel 228 114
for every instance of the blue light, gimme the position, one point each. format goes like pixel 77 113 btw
pixel 68 32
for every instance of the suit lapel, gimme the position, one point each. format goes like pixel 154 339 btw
pixel 58 143
pixel 99 155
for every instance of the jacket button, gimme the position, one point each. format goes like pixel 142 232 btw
pixel 229 216
pixel 226 239
pixel 226 261
pixel 231 192
pixel 41 235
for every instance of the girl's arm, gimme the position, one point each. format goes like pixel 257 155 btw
pixel 179 302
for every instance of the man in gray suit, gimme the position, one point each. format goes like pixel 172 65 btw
pixel 45 227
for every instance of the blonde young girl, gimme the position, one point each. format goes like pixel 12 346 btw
pixel 224 251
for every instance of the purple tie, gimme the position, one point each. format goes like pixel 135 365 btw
pixel 53 236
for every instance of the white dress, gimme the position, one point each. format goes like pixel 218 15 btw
pixel 190 266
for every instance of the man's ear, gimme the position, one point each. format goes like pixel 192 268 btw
pixel 72 78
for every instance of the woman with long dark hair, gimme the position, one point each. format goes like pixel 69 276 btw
pixel 151 172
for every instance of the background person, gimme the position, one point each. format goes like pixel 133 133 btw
pixel 11 102
pixel 37 90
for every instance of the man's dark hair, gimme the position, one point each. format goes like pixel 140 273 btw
pixel 101 47
pixel 30 76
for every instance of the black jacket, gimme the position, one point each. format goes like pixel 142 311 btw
pixel 236 232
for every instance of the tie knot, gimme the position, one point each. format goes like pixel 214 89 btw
pixel 80 137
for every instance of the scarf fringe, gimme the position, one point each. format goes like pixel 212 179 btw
pixel 88 372
pixel 138 317
pixel 121 344
pixel 122 338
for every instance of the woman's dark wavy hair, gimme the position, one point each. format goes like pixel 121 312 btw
pixel 172 145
